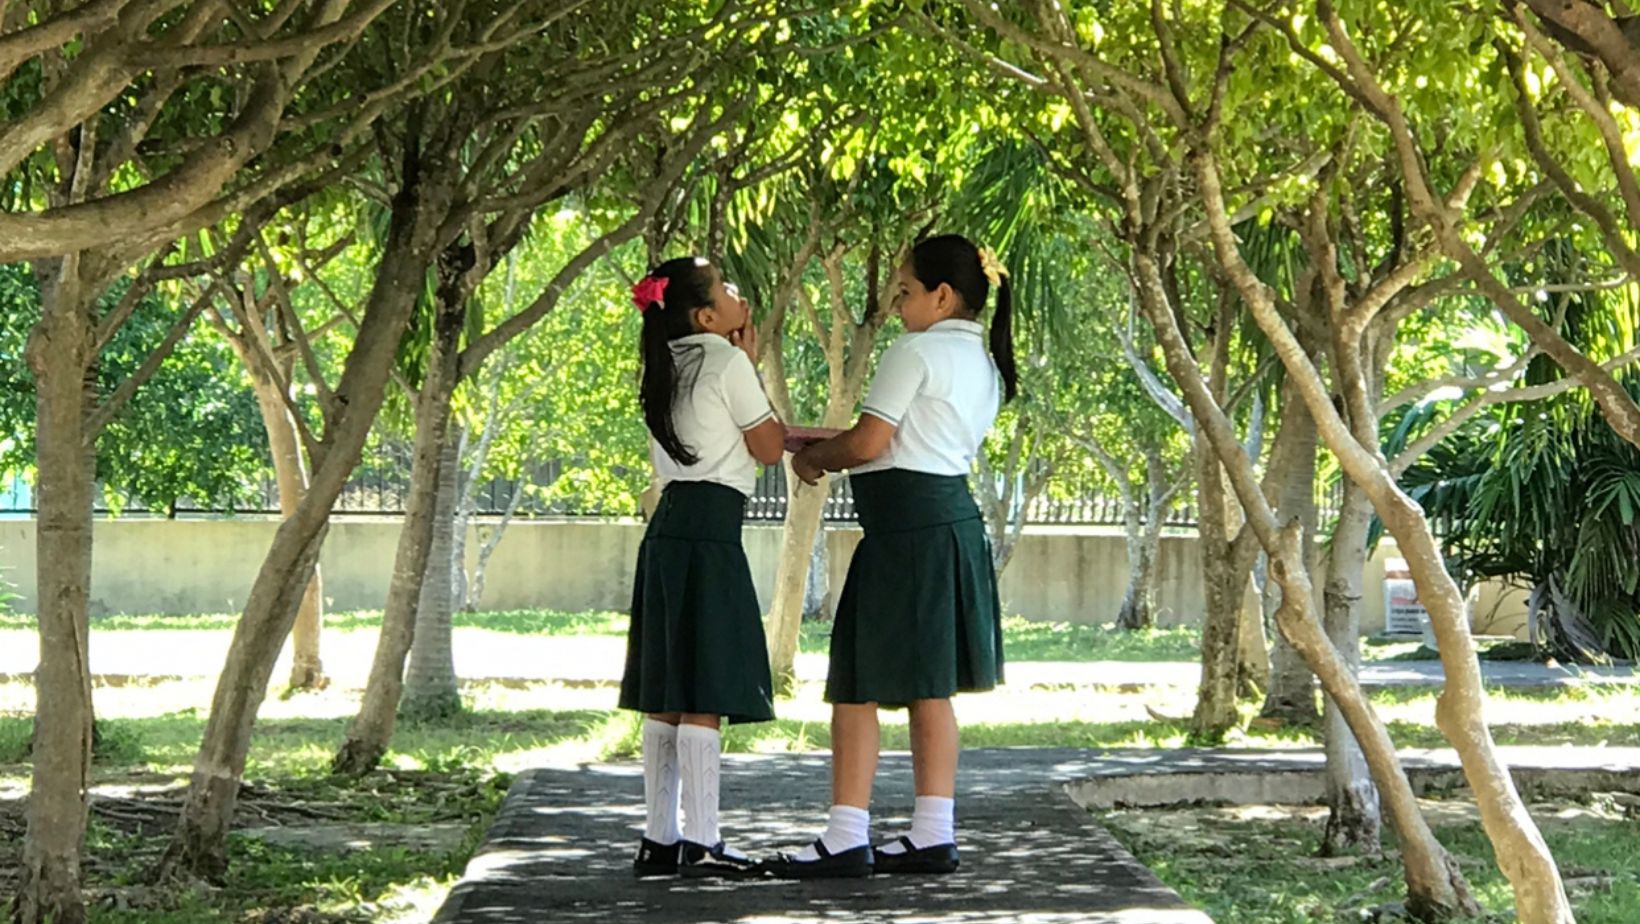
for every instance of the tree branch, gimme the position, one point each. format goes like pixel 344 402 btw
pixel 111 407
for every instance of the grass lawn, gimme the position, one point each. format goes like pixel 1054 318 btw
pixel 1024 640
pixel 1258 864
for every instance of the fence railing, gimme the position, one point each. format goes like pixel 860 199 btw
pixel 381 486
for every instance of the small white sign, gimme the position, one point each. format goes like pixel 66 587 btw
pixel 1403 614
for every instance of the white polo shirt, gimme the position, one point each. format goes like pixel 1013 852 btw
pixel 719 399
pixel 940 390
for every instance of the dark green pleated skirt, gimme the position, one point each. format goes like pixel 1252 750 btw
pixel 696 639
pixel 919 616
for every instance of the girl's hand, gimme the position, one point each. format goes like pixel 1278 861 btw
pixel 804 468
pixel 746 339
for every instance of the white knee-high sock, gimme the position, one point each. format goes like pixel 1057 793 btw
pixel 847 828
pixel 700 752
pixel 933 822
pixel 660 781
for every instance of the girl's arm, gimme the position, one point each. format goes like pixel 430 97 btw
pixel 767 441
pixel 866 440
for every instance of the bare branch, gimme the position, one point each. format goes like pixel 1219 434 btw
pixel 111 407
pixel 1494 395
pixel 87 18
pixel 308 42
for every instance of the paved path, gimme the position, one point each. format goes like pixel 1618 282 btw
pixel 598 660
pixel 561 846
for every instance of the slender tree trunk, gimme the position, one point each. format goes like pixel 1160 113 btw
pixel 291 475
pixel 1292 465
pixel 1138 609
pixel 372 729
pixel 1436 889
pixel 804 507
pixel 1226 566
pixel 465 503
pixel 847 349
pixel 1252 644
pixel 487 547
pixel 817 588
pixel 1291 696
pixel 1353 820
pixel 200 845
pixel 59 354
pixel 430 683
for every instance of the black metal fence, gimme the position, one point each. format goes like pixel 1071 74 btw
pixel 381 486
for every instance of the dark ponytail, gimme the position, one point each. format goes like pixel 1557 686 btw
pixel 955 261
pixel 1002 339
pixel 688 286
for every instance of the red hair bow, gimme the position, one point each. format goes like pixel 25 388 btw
pixel 650 290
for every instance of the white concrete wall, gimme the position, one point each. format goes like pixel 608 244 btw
pixel 207 565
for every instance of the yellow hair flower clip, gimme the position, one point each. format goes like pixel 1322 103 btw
pixel 991 266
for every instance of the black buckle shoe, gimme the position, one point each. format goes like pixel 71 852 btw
pixel 850 864
pixel 655 859
pixel 936 860
pixel 698 861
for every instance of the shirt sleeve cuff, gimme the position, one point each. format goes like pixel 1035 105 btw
pixel 890 419
pixel 766 415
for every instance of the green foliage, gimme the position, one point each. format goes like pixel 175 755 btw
pixel 1543 491
pixel 191 432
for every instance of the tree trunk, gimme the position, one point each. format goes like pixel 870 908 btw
pixel 817 587
pixel 1139 602
pixel 805 505
pixel 1227 558
pixel 1224 584
pixel 1252 644
pixel 1353 819
pixel 430 683
pixel 59 354
pixel 372 729
pixel 1292 466
pixel 1436 888
pixel 200 845
pixel 291 474
pixel 464 506
pixel 475 587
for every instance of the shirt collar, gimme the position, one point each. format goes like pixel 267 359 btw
pixel 959 325
pixel 704 339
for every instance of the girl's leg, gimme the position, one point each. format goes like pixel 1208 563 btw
pixel 855 741
pixel 660 777
pixel 700 750
pixel 934 747
pixel 700 753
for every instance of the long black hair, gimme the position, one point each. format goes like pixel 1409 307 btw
pixel 688 287
pixel 955 261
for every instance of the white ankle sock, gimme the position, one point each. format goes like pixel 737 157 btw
pixel 660 781
pixel 700 752
pixel 848 828
pixel 934 822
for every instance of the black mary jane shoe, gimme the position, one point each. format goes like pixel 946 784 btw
pixel 850 864
pixel 698 861
pixel 655 860
pixel 936 860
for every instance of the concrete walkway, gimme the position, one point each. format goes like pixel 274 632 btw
pixel 598 659
pixel 561 846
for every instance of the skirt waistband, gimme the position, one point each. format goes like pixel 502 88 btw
pixel 898 500
pixel 698 510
